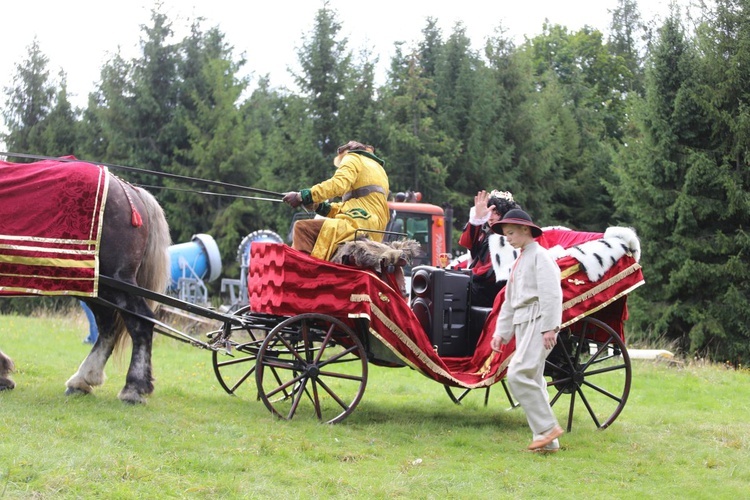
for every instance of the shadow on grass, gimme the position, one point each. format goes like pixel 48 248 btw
pixel 448 414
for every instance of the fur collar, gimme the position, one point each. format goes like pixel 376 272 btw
pixel 503 256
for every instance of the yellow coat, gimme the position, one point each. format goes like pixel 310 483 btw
pixel 356 170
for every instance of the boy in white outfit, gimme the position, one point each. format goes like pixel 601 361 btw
pixel 532 311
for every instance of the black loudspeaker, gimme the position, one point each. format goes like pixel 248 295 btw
pixel 440 300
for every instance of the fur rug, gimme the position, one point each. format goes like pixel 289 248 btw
pixel 369 254
pixel 598 256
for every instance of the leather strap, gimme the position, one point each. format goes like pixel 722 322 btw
pixel 364 191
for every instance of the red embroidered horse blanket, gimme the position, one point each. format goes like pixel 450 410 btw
pixel 50 226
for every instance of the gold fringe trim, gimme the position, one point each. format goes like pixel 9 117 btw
pixel 360 297
pixel 414 349
pixel 602 286
pixel 400 356
pixel 601 306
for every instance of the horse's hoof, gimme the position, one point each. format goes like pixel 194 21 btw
pixel 74 391
pixel 131 397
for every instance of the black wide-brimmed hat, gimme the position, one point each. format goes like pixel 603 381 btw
pixel 517 216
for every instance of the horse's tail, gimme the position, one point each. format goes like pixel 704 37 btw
pixel 154 273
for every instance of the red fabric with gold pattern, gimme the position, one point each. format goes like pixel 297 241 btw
pixel 50 227
pixel 285 282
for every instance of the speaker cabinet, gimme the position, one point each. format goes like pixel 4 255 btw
pixel 440 300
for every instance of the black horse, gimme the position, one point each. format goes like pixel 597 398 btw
pixel 133 253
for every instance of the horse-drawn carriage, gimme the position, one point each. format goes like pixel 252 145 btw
pixel 312 327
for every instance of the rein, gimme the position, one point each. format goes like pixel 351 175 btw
pixel 208 193
pixel 151 172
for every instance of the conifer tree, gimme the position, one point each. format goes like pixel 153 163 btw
pixel 326 64
pixel 107 121
pixel 59 131
pixel 586 74
pixel 415 143
pixel 686 188
pixel 627 35
pixel 207 124
pixel 28 102
pixel 456 85
pixel 154 97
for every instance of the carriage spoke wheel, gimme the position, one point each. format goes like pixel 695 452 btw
pixel 311 364
pixel 591 366
pixel 234 362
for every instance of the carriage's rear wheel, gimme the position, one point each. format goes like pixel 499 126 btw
pixel 591 366
pixel 235 357
pixel 311 363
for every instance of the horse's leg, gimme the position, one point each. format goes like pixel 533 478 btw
pixel 91 372
pixel 6 367
pixel 139 381
pixel 134 250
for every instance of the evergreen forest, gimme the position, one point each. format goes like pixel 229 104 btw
pixel 644 127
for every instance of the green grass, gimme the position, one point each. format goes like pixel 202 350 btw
pixel 683 434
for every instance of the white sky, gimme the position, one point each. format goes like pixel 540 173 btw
pixel 78 36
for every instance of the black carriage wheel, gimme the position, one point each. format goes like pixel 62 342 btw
pixel 234 364
pixel 311 362
pixel 591 365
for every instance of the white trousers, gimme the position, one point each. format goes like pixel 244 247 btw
pixel 526 377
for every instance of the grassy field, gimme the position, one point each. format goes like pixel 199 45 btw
pixel 684 433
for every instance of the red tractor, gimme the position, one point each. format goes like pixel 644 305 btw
pixel 428 224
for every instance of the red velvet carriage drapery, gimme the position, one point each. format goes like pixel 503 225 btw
pixel 283 281
pixel 50 227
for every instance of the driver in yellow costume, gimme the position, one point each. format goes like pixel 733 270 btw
pixel 362 184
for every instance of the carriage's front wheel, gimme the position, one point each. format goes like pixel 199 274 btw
pixel 311 362
pixel 590 364
pixel 234 357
